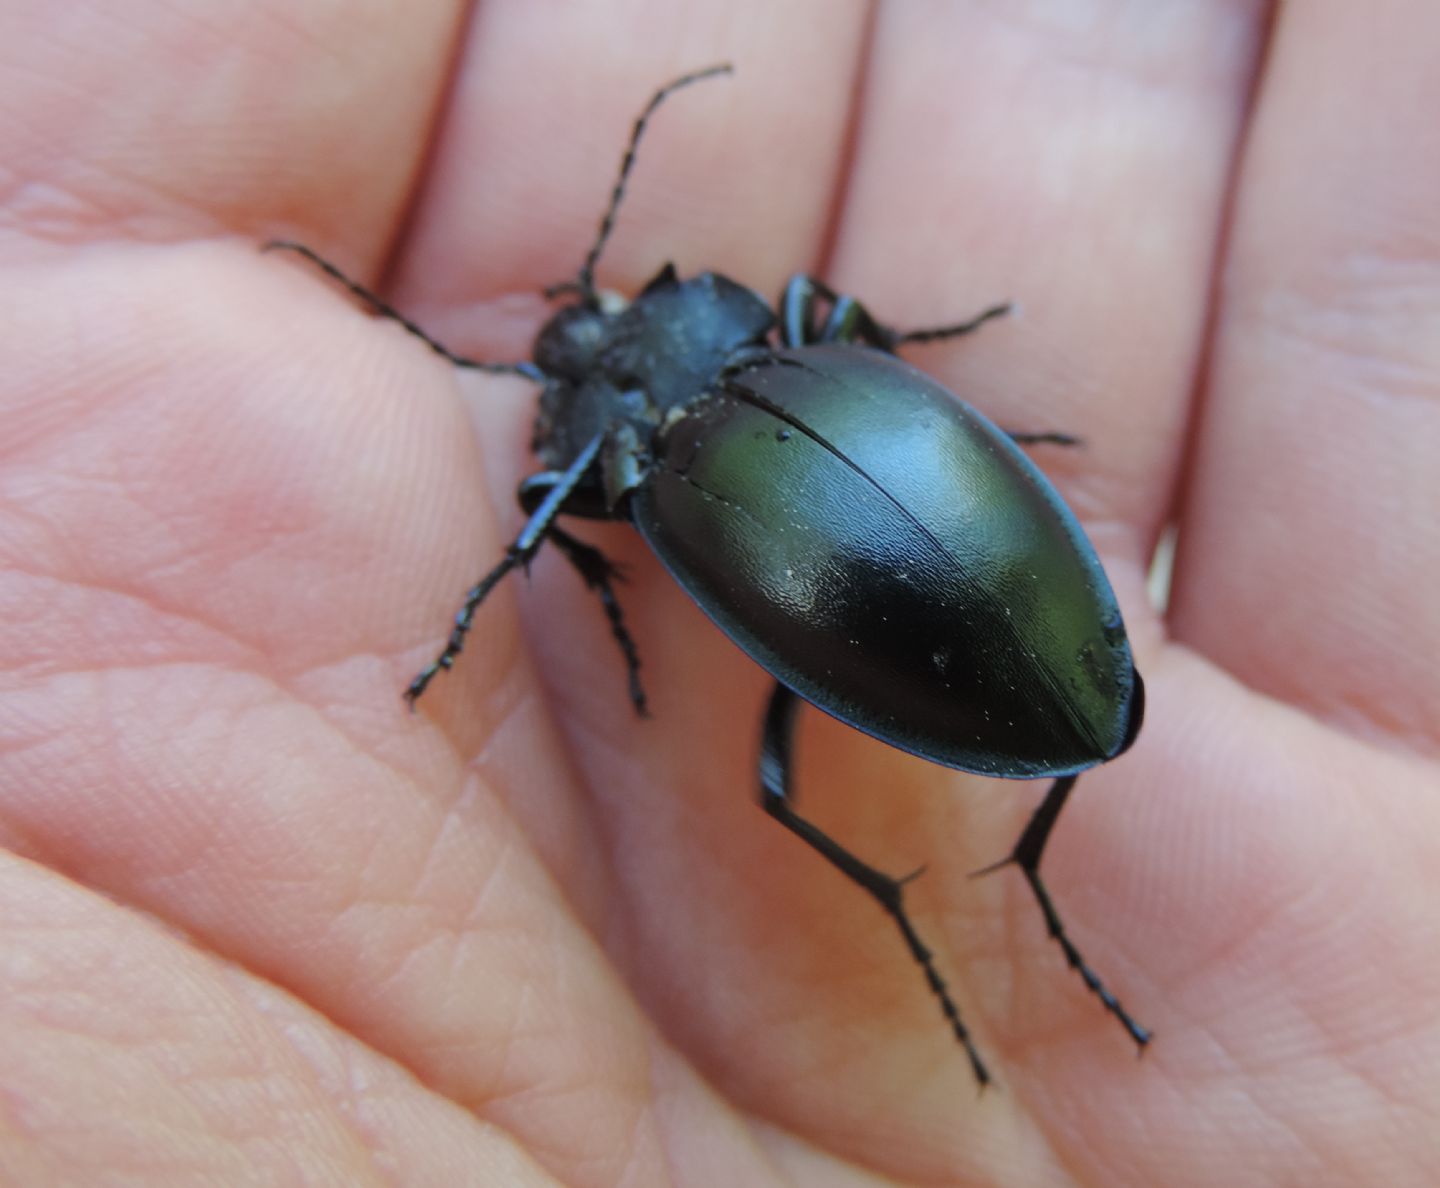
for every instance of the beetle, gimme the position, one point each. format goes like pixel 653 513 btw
pixel 878 546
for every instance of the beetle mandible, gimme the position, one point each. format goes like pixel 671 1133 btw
pixel 794 475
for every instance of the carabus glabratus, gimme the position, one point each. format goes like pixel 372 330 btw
pixel 878 546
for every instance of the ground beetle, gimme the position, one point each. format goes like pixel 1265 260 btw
pixel 878 546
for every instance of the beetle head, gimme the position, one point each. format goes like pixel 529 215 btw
pixel 569 343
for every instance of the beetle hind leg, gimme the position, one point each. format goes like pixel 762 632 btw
pixel 777 800
pixel 1026 855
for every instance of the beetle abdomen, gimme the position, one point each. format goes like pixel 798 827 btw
pixel 891 555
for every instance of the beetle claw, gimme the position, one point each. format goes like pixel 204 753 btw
pixel 1008 860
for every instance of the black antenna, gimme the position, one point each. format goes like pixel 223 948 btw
pixel 382 307
pixel 585 282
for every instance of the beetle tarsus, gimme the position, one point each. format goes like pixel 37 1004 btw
pixel 937 333
pixel 463 619
pixel 1020 437
pixel 1026 855
pixel 520 553
pixel 888 892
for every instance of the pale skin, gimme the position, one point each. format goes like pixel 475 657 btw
pixel 259 924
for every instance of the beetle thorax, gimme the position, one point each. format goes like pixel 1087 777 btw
pixel 608 364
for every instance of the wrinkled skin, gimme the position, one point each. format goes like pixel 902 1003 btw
pixel 258 924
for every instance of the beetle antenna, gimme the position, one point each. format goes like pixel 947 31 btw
pixel 384 309
pixel 584 284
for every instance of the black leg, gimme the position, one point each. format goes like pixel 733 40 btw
pixel 600 574
pixel 935 333
pixel 776 798
pixel 386 310
pixel 797 311
pixel 521 552
pixel 849 321
pixel 1044 438
pixel 1026 855
pixel 846 321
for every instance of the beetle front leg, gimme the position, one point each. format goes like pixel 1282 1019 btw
pixel 846 321
pixel 521 552
pixel 776 798
pixel 955 330
pixel 849 321
pixel 1026 855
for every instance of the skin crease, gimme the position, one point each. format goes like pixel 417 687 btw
pixel 258 924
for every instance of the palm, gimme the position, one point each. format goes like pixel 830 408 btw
pixel 235 522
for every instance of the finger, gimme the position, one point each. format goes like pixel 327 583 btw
pixel 1082 170
pixel 1311 547
pixel 734 174
pixel 1078 168
pixel 171 123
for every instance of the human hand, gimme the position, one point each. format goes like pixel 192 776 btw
pixel 259 922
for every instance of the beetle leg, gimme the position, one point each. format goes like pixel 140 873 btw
pixel 521 552
pixel 797 310
pixel 1026 855
pixel 776 798
pixel 600 574
pixel 386 310
pixel 846 321
pixel 935 333
pixel 1045 438
pixel 849 320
